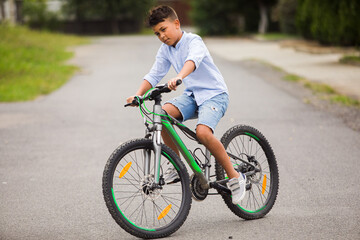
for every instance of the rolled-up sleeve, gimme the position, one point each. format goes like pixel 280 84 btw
pixel 159 69
pixel 197 51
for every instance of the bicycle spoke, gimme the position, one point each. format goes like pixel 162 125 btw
pixel 134 161
pixel 172 198
pixel 255 201
pixel 146 209
pixel 158 208
pixel 134 194
pixel 137 208
pixel 127 197
pixel 129 173
pixel 170 202
pixel 261 195
pixel 243 144
pixel 237 151
pixel 132 183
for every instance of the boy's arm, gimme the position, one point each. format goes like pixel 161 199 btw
pixel 188 68
pixel 144 87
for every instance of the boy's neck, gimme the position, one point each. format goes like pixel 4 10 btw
pixel 181 34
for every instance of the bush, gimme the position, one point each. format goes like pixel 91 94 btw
pixel 285 12
pixel 330 21
pixel 112 11
pixel 219 20
pixel 36 15
pixel 229 17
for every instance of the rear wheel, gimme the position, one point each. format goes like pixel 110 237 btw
pixel 139 206
pixel 250 145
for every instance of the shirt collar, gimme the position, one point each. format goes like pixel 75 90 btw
pixel 180 41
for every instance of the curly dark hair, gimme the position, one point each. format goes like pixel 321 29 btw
pixel 159 14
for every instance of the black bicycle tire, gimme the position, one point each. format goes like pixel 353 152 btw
pixel 259 137
pixel 108 173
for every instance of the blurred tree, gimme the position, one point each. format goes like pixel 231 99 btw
pixel 215 17
pixel 264 7
pixel 285 13
pixel 36 15
pixel 110 10
pixel 232 16
pixel 2 9
pixel 330 21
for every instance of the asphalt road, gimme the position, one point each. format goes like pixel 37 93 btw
pixel 53 151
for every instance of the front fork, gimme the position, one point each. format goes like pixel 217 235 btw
pixel 157 148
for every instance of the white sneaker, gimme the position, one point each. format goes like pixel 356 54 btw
pixel 171 175
pixel 237 187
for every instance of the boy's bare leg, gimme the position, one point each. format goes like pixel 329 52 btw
pixel 174 112
pixel 206 137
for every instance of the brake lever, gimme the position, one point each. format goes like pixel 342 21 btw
pixel 134 102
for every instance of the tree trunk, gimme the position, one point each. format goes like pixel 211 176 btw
pixel 263 23
pixel 12 12
pixel 2 10
pixel 114 26
pixel 19 14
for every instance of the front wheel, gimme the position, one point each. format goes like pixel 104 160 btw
pixel 141 207
pixel 250 145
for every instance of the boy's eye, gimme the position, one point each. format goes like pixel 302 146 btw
pixel 163 30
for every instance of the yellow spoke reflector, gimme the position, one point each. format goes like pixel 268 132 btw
pixel 125 169
pixel 164 212
pixel 264 184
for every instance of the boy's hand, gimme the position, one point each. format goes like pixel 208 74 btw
pixel 130 100
pixel 172 83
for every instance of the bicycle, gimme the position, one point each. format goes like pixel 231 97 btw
pixel 146 206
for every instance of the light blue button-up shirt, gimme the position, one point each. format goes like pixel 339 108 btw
pixel 204 83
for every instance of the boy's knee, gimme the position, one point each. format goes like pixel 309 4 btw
pixel 203 133
pixel 172 110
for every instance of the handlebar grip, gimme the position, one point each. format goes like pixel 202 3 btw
pixel 178 82
pixel 133 103
pixel 128 104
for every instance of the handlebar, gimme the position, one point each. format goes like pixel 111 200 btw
pixel 157 91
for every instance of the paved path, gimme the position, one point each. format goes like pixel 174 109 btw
pixel 53 151
pixel 324 68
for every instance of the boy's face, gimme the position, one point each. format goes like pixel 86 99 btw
pixel 168 31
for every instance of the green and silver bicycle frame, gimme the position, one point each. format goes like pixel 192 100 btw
pixel 162 119
pixel 203 177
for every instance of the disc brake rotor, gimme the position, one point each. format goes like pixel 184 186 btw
pixel 147 185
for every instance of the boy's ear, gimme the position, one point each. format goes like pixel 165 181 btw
pixel 177 23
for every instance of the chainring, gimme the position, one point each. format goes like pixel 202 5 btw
pixel 198 193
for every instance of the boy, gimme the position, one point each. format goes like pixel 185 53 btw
pixel 205 96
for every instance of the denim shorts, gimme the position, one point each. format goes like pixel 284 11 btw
pixel 208 113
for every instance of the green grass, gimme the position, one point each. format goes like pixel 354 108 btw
pixel 319 87
pixel 32 63
pixel 350 59
pixel 275 36
pixel 292 78
pixel 345 100
pixel 323 91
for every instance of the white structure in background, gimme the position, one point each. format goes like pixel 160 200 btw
pixel 10 9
